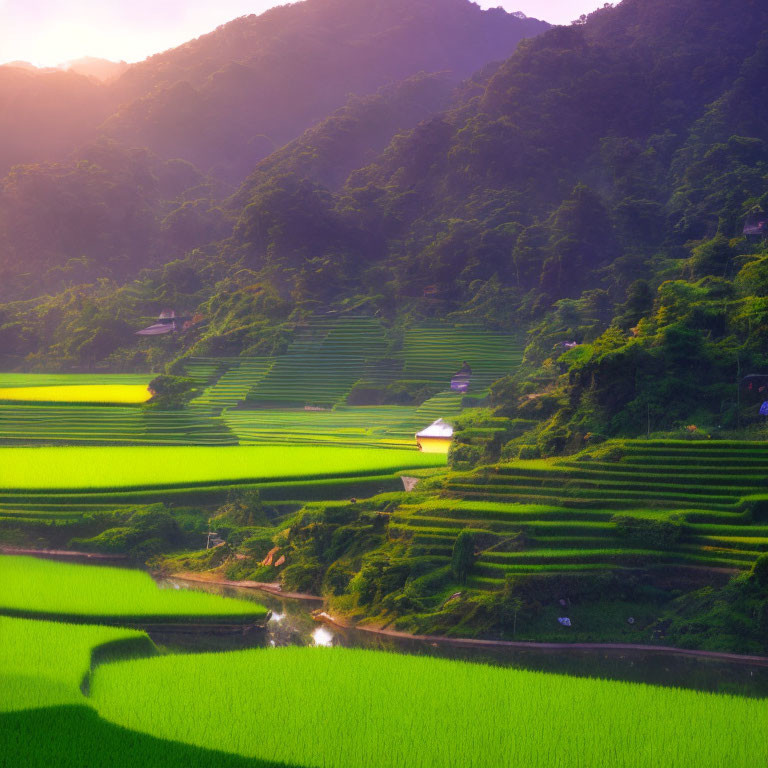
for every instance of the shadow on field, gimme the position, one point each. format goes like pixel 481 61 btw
pixel 76 737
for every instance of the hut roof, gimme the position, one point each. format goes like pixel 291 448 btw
pixel 437 428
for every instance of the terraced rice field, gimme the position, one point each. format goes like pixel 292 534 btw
pixel 240 376
pixel 343 708
pixel 137 468
pixel 375 426
pixel 81 480
pixel 45 589
pixel 28 424
pixel 555 516
pixel 46 717
pixel 381 426
pixel 327 357
pixel 322 363
pixel 19 380
pixel 435 353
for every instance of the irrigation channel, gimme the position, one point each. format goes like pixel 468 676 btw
pixel 293 623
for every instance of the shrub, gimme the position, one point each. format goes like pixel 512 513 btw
pixel 257 545
pixel 756 508
pixel 648 532
pixel 337 579
pixel 463 556
pixel 611 452
pixel 148 531
pixel 527 452
pixel 409 392
pixel 305 576
pixel 171 393
pixel 242 508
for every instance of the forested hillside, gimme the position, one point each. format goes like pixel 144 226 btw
pixel 593 188
pixel 89 197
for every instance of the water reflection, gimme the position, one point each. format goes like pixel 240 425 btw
pixel 292 624
pixel 323 637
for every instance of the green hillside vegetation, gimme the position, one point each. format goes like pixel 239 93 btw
pixel 128 181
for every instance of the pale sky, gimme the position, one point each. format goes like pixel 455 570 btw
pixel 50 32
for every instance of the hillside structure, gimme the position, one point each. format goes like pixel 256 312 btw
pixel 436 438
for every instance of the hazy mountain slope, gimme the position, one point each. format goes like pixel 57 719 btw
pixel 107 212
pixel 357 133
pixel 100 69
pixel 229 98
pixel 44 115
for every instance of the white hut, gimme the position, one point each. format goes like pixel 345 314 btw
pixel 436 438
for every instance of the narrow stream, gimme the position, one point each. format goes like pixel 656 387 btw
pixel 292 624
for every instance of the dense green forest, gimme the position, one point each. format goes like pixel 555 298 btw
pixel 591 188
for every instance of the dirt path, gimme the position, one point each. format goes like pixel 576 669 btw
pixel 271 588
pixel 460 642
pixel 58 553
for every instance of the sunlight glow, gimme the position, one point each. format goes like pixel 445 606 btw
pixel 322 637
pixel 48 33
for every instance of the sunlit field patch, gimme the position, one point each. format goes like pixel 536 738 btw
pixel 341 708
pixel 47 589
pixel 147 467
pixel 122 394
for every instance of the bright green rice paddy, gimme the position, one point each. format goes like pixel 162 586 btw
pixel 45 589
pixel 43 663
pixel 341 708
pixel 146 467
